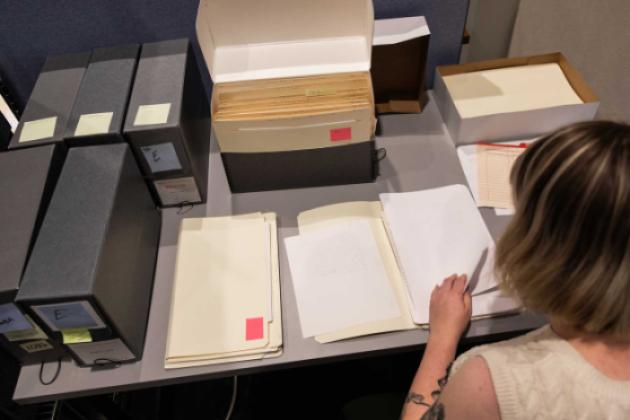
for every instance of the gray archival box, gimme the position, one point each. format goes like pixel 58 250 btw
pixel 49 106
pixel 28 180
pixel 168 123
pixel 100 106
pixel 93 263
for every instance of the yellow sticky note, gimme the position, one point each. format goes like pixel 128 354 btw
pixel 152 114
pixel 38 129
pixel 97 123
pixel 76 335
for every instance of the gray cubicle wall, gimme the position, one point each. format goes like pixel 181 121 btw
pixel 32 29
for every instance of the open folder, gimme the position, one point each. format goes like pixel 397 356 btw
pixel 361 268
pixel 226 294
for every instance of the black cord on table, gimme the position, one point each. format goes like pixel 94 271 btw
pixel 187 205
pixel 41 373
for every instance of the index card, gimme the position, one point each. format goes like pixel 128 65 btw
pixel 494 164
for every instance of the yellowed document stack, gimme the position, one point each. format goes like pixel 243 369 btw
pixel 294 113
pixel 226 295
pixel 362 268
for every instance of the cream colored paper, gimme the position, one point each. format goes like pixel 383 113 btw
pixel 369 211
pixel 38 129
pixel 339 278
pixel 510 89
pixel 259 231
pixel 97 123
pixel 152 114
pixel 494 164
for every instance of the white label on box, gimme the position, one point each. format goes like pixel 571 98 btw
pixel 161 157
pixel 35 346
pixel 33 333
pixel 12 319
pixel 152 114
pixel 38 129
pixel 177 191
pixel 97 123
pixel 102 352
pixel 64 316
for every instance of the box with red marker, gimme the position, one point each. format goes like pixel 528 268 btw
pixel 292 104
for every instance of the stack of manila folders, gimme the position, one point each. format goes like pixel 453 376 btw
pixel 362 268
pixel 226 294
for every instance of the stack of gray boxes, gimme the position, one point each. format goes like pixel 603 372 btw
pixel 168 123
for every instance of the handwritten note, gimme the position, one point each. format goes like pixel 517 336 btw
pixel 161 157
pixel 65 316
pixel 12 319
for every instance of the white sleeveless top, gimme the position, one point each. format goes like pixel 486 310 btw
pixel 541 376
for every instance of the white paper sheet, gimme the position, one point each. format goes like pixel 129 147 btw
pixel 436 233
pixel 339 278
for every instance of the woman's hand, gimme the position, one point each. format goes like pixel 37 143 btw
pixel 449 312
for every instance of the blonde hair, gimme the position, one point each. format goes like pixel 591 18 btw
pixel 566 252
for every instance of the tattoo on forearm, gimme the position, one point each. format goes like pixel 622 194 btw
pixel 417 399
pixel 436 410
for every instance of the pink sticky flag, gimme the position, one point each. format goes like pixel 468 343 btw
pixel 341 134
pixel 254 329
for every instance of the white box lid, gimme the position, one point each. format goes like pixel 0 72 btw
pixel 256 39
pixel 393 31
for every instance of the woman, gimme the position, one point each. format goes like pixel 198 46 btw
pixel 566 254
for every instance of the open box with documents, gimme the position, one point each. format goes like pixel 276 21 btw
pixel 361 268
pixel 292 104
pixel 511 98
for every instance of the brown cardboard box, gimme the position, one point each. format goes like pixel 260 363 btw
pixel 399 56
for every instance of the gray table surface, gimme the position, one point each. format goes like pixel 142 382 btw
pixel 420 155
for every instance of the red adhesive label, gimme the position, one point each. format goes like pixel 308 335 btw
pixel 341 134
pixel 253 329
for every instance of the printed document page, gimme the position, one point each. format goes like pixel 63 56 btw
pixel 339 278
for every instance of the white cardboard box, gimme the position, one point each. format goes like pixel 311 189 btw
pixel 518 124
pixel 254 39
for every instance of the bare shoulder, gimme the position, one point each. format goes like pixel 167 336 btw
pixel 470 394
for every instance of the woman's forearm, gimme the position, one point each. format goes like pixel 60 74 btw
pixel 429 379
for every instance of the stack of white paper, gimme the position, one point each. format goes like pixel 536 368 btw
pixel 510 89
pixel 437 233
pixel 226 295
